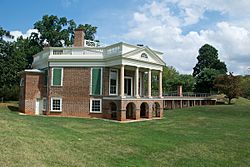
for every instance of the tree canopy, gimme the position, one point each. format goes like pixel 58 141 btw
pixel 245 85
pixel 10 65
pixel 205 80
pixel 89 31
pixel 171 79
pixel 207 68
pixel 4 33
pixel 229 85
pixel 59 31
pixel 208 58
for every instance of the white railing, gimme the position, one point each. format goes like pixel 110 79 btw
pixel 115 50
pixel 108 51
pixel 77 51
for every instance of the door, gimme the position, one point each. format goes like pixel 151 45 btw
pixel 38 106
pixel 128 86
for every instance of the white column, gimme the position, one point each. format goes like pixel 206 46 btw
pixel 122 81
pixel 137 82
pixel 160 84
pixel 149 83
pixel 141 84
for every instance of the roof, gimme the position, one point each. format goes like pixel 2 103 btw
pixel 31 71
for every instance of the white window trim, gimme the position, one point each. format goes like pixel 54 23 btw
pixel 44 109
pixel 116 81
pixel 51 104
pixel 91 106
pixel 132 86
pixel 90 91
pixel 52 77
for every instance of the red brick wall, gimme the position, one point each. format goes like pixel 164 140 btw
pixel 74 92
pixel 105 85
pixel 33 89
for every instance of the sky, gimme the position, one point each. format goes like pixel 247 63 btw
pixel 178 28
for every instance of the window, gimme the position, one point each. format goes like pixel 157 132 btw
pixel 44 104
pixel 57 76
pixel 144 55
pixel 22 82
pixel 113 78
pixel 56 104
pixel 96 105
pixel 96 81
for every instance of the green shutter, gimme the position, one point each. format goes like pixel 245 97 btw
pixel 96 81
pixel 57 76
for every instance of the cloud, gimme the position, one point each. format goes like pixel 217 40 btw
pixel 160 24
pixel 17 34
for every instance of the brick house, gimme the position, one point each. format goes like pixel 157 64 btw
pixel 86 80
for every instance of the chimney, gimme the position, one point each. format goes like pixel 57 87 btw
pixel 179 90
pixel 79 38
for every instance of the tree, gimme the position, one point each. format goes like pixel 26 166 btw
pixel 4 33
pixel 205 80
pixel 229 85
pixel 208 58
pixel 89 31
pixel 26 48
pixel 245 86
pixel 10 65
pixel 207 68
pixel 170 79
pixel 187 81
pixel 57 32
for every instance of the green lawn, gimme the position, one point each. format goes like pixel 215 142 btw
pixel 199 136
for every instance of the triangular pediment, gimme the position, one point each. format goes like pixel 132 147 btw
pixel 144 54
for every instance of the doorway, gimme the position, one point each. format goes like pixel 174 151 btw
pixel 39 105
pixel 128 86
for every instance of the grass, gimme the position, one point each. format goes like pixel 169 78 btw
pixel 199 136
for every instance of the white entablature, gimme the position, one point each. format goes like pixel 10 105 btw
pixel 112 55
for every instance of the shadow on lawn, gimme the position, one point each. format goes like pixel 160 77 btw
pixel 13 108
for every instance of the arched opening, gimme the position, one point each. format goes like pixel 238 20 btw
pixel 156 110
pixel 130 111
pixel 144 110
pixel 113 110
